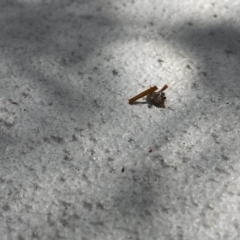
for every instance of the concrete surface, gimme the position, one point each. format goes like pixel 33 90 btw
pixel 78 162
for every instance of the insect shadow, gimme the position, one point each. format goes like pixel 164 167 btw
pixel 149 102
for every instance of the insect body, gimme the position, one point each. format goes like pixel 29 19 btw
pixel 157 99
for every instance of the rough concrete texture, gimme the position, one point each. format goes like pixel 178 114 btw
pixel 77 161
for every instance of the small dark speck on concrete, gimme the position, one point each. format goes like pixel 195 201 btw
pixel 110 159
pixel 67 158
pixel 6 208
pixel 160 61
pixel 215 15
pixel 204 74
pixel 123 169
pixel 64 61
pixel 87 205
pixel 74 137
pixel 150 150
pixel 188 66
pixel 115 72
pixel 95 69
pixel 228 51
pixel 20 237
pixel 100 206
pixel 224 157
pixel 87 17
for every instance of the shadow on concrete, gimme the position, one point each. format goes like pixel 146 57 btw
pixel 217 48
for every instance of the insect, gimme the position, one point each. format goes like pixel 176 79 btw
pixel 156 98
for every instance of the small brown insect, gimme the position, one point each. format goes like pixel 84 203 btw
pixel 156 98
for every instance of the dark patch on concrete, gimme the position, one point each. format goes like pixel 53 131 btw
pixel 225 158
pixel 115 72
pixel 110 159
pixel 87 205
pixel 87 17
pixel 64 222
pixel 229 52
pixel 6 207
pixel 204 74
pixel 67 158
pixel 90 125
pixel 57 139
pixel 221 170
pixel 62 179
pixel 98 223
pixel 93 139
pixel 74 137
pixel 99 206
pixel 215 137
pixel 95 69
pixel 20 237
pixel 151 23
pixel 8 124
